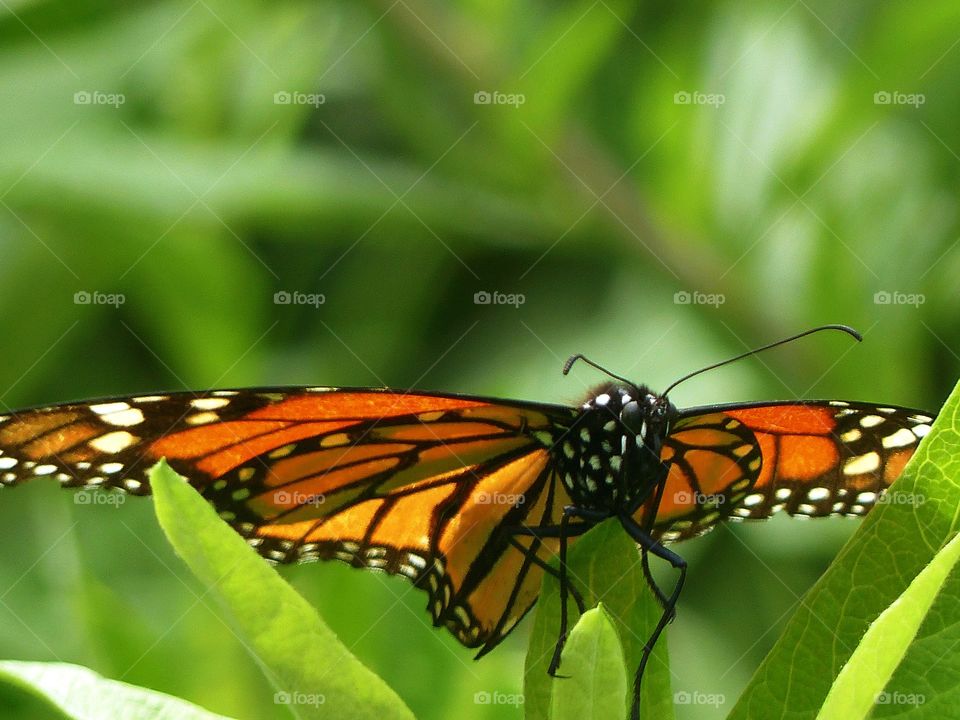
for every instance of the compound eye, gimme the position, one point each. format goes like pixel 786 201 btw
pixel 632 416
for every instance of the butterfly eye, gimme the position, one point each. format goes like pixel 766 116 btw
pixel 632 416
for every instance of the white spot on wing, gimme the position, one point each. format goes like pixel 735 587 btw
pixel 818 493
pixel 111 407
pixel 866 463
pixel 870 421
pixel 211 403
pixel 113 442
pixel 124 418
pixel 901 438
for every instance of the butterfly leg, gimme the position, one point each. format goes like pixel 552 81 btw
pixel 648 544
pixel 565 530
pixel 591 517
pixel 547 568
pixel 645 564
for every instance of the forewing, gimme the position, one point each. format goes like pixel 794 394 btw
pixel 806 458
pixel 426 486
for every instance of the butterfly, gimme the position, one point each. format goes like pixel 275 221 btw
pixel 471 498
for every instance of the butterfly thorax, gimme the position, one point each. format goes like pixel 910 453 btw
pixel 610 458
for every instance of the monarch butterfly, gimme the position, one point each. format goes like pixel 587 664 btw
pixel 470 497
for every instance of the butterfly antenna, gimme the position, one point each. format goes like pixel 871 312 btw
pixel 842 328
pixel 571 361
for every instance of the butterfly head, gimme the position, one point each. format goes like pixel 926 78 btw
pixel 640 411
pixel 647 414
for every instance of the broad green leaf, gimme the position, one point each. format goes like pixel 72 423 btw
pixel 78 693
pixel 861 681
pixel 894 544
pixel 605 565
pixel 310 668
pixel 597 678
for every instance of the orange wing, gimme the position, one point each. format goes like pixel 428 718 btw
pixel 425 486
pixel 811 458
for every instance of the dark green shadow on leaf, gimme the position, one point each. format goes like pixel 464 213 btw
pixel 605 565
pixel 65 691
pixel 312 671
pixel 895 542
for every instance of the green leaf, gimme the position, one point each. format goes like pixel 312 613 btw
pixel 605 566
pixel 893 545
pixel 596 679
pixel 311 669
pixel 861 681
pixel 79 693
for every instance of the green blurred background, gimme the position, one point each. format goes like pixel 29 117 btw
pixel 780 163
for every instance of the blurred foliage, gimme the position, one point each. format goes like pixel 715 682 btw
pixel 791 159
